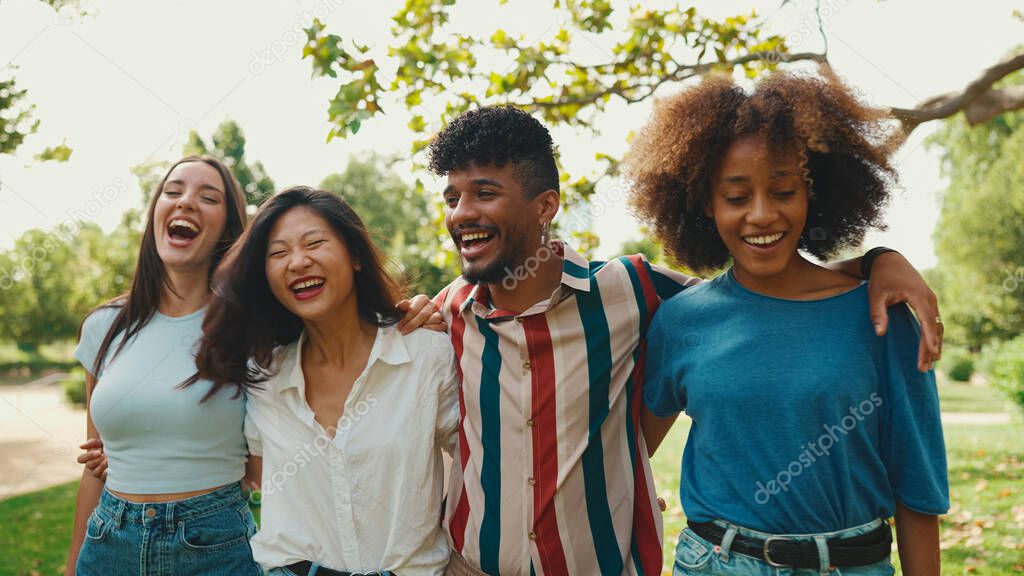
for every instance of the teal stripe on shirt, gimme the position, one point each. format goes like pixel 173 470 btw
pixel 599 357
pixel 490 475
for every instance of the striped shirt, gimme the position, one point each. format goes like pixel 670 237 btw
pixel 555 478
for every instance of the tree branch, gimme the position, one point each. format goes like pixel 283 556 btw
pixel 683 72
pixel 978 100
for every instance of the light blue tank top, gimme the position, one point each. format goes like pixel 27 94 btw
pixel 158 438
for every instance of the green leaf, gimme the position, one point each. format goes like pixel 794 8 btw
pixel 58 153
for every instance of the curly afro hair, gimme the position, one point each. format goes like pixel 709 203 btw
pixel 498 135
pixel 844 143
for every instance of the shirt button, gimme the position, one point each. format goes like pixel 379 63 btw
pixel 526 365
pixel 532 535
pixel 530 422
pixel 531 481
pixel 150 512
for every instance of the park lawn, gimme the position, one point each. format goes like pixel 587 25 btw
pixel 35 531
pixel 982 534
pixel 964 397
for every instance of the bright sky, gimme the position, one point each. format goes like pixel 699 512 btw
pixel 126 84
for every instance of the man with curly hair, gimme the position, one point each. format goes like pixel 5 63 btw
pixel 551 475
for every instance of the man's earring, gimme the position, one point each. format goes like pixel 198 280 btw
pixel 545 236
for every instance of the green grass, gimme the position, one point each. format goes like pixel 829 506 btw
pixel 964 397
pixel 36 531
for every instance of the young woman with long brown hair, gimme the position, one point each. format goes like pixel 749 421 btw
pixel 346 416
pixel 171 502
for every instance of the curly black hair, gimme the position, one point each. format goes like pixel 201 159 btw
pixel 845 146
pixel 498 135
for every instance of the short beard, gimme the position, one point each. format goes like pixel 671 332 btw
pixel 505 265
pixel 495 272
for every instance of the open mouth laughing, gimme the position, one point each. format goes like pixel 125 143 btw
pixel 307 287
pixel 182 231
pixel 473 244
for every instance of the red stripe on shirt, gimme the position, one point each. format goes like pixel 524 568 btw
pixel 545 445
pixel 457 527
pixel 647 284
pixel 645 529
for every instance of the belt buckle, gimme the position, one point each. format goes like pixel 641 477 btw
pixel 766 551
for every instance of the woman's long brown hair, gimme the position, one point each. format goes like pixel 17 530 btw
pixel 137 306
pixel 244 322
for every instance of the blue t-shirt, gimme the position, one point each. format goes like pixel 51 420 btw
pixel 804 421
pixel 158 438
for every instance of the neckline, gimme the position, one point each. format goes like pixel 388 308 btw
pixel 731 278
pixel 185 318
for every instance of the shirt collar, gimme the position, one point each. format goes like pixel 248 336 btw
pixel 388 347
pixel 575 275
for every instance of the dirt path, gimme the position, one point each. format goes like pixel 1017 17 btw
pixel 39 436
pixel 976 418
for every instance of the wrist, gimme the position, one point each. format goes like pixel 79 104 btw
pixel 868 260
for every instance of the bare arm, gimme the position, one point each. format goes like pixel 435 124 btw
pixel 917 537
pixel 253 473
pixel 89 489
pixel 654 428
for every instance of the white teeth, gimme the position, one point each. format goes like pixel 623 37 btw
pixel 762 240
pixel 477 236
pixel 184 224
pixel 307 284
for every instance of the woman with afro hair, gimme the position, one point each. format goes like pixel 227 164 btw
pixel 808 431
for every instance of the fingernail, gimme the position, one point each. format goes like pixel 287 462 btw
pixel 878 329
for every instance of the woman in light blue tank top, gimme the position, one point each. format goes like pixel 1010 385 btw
pixel 808 430
pixel 171 502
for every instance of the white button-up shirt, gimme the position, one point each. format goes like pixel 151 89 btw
pixel 370 497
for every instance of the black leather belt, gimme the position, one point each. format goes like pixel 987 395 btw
pixel 785 552
pixel 303 568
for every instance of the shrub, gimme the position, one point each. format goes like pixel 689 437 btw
pixel 74 386
pixel 1003 364
pixel 957 362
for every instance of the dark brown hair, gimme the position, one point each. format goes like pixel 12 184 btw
pixel 137 306
pixel 844 144
pixel 498 135
pixel 245 322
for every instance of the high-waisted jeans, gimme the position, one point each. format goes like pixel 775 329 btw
pixel 206 535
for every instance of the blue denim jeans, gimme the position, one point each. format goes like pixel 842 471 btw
pixel 695 555
pixel 207 535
